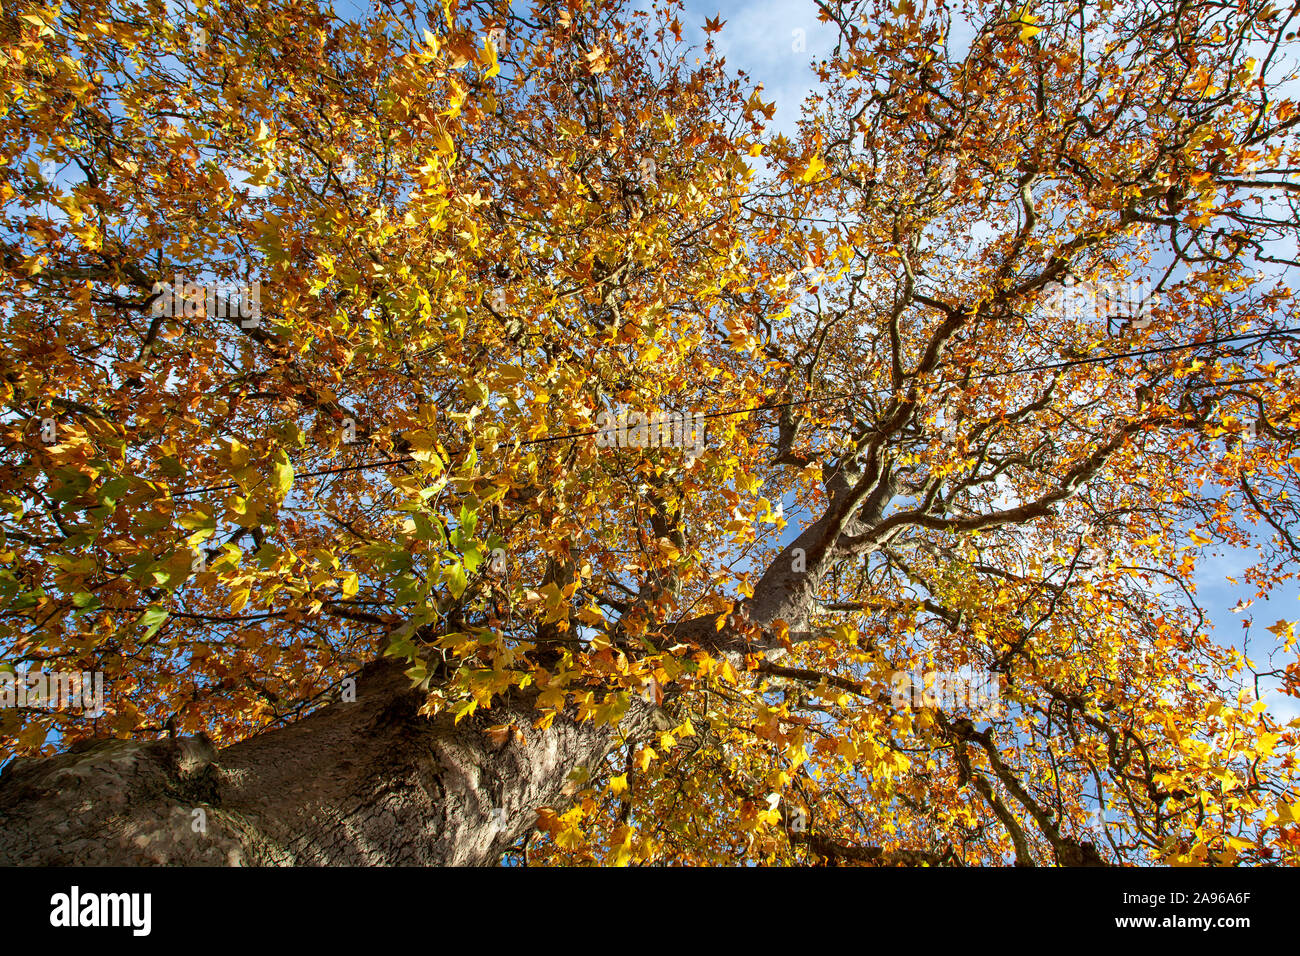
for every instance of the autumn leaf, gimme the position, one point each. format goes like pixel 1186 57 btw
pixel 920 428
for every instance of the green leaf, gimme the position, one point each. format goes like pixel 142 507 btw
pixel 152 619
pixel 71 484
pixel 407 588
pixel 113 489
pixel 455 578
pixel 171 466
pixel 28 599
pixel 469 515
pixel 86 601
pixel 200 519
pixel 426 529
pixel 473 556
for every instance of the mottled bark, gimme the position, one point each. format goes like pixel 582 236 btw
pixel 368 782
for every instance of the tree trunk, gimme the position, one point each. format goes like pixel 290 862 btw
pixel 363 783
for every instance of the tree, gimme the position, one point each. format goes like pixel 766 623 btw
pixel 445 540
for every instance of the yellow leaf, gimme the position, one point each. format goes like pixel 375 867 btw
pixel 1027 21
pixel 465 708
pixel 1286 813
pixel 620 855
pixel 552 697
pixel 643 758
pixel 815 166
pixel 569 838
pixel 490 58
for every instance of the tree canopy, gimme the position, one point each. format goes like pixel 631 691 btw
pixel 313 328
